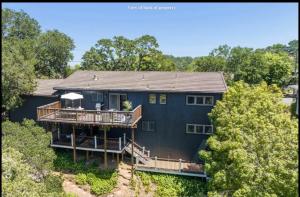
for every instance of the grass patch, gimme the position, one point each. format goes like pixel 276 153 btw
pixel 100 181
pixel 172 185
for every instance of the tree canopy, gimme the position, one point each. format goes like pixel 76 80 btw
pixel 124 54
pixel 32 141
pixel 254 148
pixel 27 53
pixel 27 161
pixel 18 25
pixel 53 53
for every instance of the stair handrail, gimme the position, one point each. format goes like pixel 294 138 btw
pixel 137 153
pixel 135 144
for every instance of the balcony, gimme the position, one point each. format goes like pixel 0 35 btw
pixel 88 143
pixel 53 112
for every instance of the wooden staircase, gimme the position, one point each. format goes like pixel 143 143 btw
pixel 140 153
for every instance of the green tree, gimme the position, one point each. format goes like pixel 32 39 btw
pixel 181 63
pixel 18 25
pixel 18 75
pixel 124 54
pixel 19 32
pixel 254 148
pixel 209 64
pixel 33 142
pixel 53 53
pixel 71 69
pixel 221 51
pixel 16 176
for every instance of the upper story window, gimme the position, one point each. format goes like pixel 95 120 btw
pixel 148 125
pixel 199 129
pixel 199 100
pixel 152 98
pixel 97 97
pixel 162 99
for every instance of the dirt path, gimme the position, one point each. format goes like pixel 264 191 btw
pixel 123 185
pixel 71 187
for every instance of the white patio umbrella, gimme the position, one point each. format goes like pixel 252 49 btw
pixel 72 96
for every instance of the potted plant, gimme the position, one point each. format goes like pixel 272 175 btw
pixel 127 105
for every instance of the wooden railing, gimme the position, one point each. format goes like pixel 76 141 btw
pixel 54 113
pixel 167 164
pixel 142 150
pixel 47 109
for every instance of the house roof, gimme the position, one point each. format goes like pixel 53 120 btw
pixel 141 81
pixel 45 86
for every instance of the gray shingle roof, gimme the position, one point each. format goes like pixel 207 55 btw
pixel 143 81
pixel 45 86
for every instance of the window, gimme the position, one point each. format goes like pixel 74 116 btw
pixel 190 100
pixel 208 100
pixel 199 129
pixel 152 98
pixel 199 100
pixel 148 125
pixel 190 128
pixel 208 129
pixel 162 99
pixel 97 97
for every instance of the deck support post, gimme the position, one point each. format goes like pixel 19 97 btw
pixel 124 138
pixel 105 147
pixel 179 165
pixel 148 153
pixel 118 160
pixel 122 156
pixel 71 139
pixel 132 144
pixel 155 162
pixel 51 138
pixel 143 149
pixel 91 134
pixel 87 155
pixel 95 142
pixel 120 143
pixel 74 144
pixel 137 161
pixel 58 133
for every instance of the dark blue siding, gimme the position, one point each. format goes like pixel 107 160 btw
pixel 29 107
pixel 169 140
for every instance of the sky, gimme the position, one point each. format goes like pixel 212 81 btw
pixel 181 29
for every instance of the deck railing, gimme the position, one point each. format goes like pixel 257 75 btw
pixel 54 113
pixel 166 164
pixel 87 142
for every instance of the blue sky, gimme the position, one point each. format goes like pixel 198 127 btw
pixel 188 29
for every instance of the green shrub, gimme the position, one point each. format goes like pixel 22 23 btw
pixel 100 187
pixel 101 181
pixel 171 185
pixel 53 183
pixel 81 179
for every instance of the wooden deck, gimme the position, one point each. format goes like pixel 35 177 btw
pixel 114 145
pixel 171 166
pixel 54 113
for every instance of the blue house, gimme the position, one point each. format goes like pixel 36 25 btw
pixel 168 120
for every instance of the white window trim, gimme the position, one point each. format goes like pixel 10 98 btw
pixel 195 100
pixel 203 129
